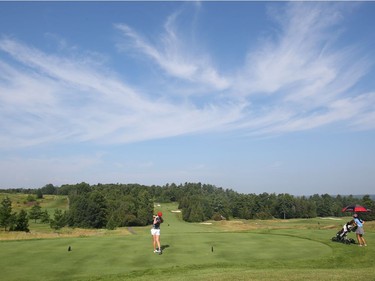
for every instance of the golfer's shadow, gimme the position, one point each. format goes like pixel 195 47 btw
pixel 163 247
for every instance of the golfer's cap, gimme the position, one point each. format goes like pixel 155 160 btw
pixel 160 214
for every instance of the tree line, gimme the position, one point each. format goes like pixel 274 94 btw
pixel 116 205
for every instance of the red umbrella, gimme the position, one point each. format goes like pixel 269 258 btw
pixel 355 208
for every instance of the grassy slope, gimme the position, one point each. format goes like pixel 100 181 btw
pixel 242 250
pixel 48 202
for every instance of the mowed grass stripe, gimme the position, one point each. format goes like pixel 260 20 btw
pixel 222 273
pixel 237 246
pixel 112 255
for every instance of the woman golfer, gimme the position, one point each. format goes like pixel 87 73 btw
pixel 155 232
pixel 359 232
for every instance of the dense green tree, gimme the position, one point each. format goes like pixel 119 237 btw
pixel 79 189
pixel 6 215
pixel 219 205
pixel 122 210
pixel 44 217
pixel 305 208
pixel 145 208
pixel 244 206
pixel 265 206
pixel 239 206
pixel 59 220
pixel 49 189
pixel 35 212
pixel 285 206
pixel 195 210
pixel 78 211
pixel 323 205
pixel 326 208
pixel 369 204
pixel 22 222
pixel 97 210
pixel 39 194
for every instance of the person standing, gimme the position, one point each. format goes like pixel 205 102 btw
pixel 359 232
pixel 155 232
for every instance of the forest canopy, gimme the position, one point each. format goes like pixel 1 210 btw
pixel 116 205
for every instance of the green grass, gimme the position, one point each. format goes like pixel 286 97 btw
pixel 242 250
pixel 48 202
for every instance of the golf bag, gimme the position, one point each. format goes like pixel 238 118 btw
pixel 341 236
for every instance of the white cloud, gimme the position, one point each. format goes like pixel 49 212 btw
pixel 298 80
pixel 71 100
pixel 175 57
pixel 302 74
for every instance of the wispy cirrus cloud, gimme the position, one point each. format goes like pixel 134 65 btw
pixel 300 55
pixel 303 74
pixel 175 56
pixel 297 79
pixel 62 99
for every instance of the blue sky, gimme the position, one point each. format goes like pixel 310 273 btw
pixel 253 96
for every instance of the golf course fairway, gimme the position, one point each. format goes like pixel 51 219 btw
pixel 191 251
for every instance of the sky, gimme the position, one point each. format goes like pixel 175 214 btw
pixel 275 97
